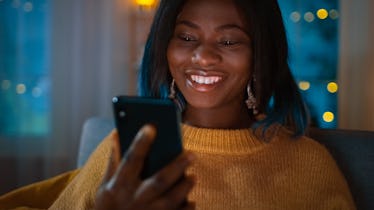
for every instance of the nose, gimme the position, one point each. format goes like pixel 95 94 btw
pixel 206 56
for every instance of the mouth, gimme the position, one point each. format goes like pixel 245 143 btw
pixel 204 81
pixel 208 80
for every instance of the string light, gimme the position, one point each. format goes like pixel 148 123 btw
pixel 334 14
pixel 308 17
pixel 328 117
pixel 145 3
pixel 21 89
pixel 332 87
pixel 295 16
pixel 322 14
pixel 27 7
pixel 304 85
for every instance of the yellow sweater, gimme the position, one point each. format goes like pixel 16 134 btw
pixel 234 170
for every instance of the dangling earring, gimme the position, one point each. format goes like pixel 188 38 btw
pixel 251 101
pixel 174 97
pixel 172 90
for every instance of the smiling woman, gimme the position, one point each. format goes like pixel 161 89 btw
pixel 243 121
pixel 209 57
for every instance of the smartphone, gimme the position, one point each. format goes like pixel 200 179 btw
pixel 132 112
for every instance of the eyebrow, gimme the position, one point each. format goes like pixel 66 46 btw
pixel 220 28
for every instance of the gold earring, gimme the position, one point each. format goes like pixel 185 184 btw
pixel 172 90
pixel 251 102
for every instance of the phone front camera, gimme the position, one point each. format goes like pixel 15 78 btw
pixel 122 114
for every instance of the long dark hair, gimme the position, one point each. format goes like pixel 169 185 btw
pixel 276 92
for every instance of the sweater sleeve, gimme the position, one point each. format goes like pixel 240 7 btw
pixel 39 195
pixel 81 192
pixel 71 190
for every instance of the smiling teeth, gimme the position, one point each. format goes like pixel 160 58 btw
pixel 205 80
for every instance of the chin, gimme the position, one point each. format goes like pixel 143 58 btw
pixel 201 104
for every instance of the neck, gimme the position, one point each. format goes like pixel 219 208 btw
pixel 222 118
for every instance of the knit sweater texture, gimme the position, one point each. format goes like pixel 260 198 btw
pixel 234 170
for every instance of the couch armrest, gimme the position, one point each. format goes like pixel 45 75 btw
pixel 93 132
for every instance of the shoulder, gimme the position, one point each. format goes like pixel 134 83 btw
pixel 286 137
pixel 313 167
pixel 304 149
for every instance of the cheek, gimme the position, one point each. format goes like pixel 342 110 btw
pixel 242 65
pixel 176 57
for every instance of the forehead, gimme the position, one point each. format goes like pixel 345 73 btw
pixel 224 11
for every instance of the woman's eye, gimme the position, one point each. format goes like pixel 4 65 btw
pixel 228 42
pixel 186 38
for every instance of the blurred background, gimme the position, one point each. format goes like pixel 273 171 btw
pixel 61 62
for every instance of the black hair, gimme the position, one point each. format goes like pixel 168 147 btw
pixel 277 94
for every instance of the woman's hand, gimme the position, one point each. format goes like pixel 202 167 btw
pixel 122 187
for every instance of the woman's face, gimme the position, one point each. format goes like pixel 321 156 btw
pixel 210 54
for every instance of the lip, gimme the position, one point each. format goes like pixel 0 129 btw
pixel 204 81
pixel 206 73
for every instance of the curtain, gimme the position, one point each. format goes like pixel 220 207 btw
pixel 356 65
pixel 90 65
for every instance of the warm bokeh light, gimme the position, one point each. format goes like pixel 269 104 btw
pixel 308 17
pixel 332 87
pixel 28 6
pixel 21 89
pixel 322 14
pixel 328 116
pixel 304 85
pixel 334 14
pixel 295 16
pixel 146 3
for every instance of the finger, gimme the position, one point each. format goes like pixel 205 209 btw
pixel 133 161
pixel 115 156
pixel 165 178
pixel 176 198
pixel 178 195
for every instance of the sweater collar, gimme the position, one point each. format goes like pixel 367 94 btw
pixel 220 141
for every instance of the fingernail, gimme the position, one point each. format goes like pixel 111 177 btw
pixel 148 131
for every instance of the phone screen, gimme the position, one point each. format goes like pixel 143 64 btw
pixel 131 113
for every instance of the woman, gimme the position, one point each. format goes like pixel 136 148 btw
pixel 225 63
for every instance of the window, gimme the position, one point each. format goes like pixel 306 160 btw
pixel 25 62
pixel 24 68
pixel 312 29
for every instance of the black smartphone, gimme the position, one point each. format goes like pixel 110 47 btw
pixel 132 112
